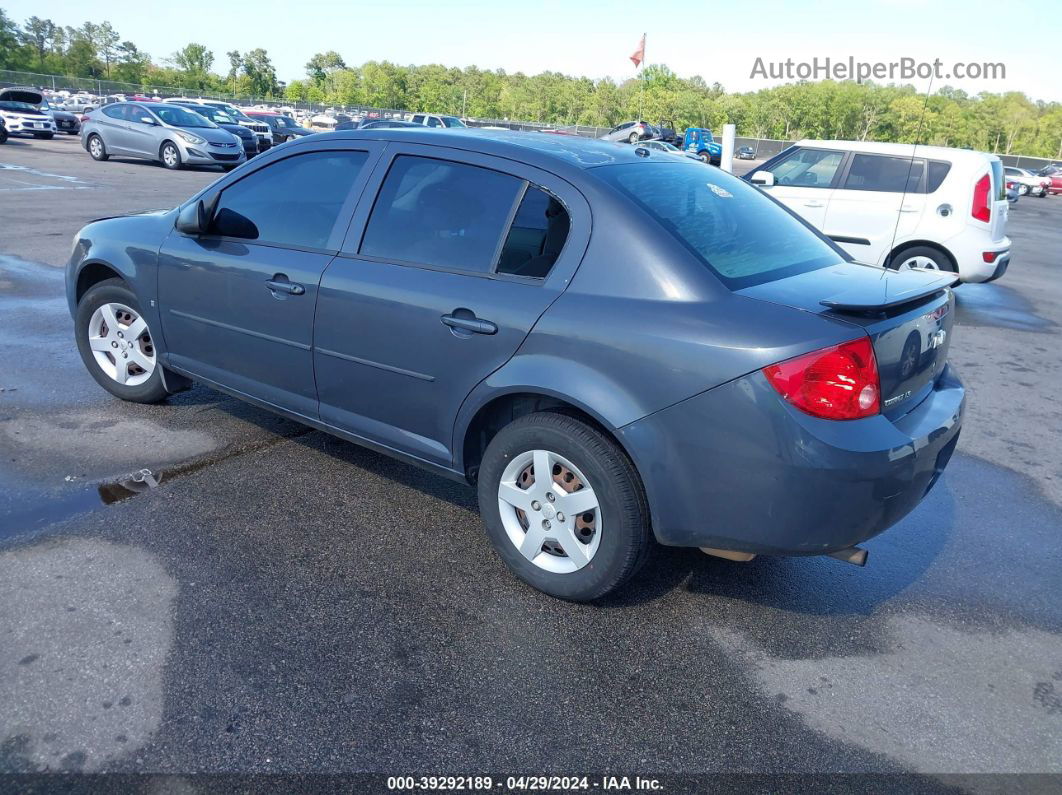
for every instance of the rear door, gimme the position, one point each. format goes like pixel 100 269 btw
pixel 804 181
pixel 113 123
pixel 440 280
pixel 237 304
pixel 879 201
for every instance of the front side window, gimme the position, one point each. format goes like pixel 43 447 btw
pixel 434 122
pixel 741 235
pixel 452 121
pixel 292 202
pixel 440 213
pixel 884 173
pixel 808 168
pixel 536 236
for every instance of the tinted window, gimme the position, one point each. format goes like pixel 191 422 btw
pixel 740 234
pixel 938 170
pixel 434 122
pixel 440 213
pixel 293 202
pixel 536 236
pixel 883 173
pixel 809 168
pixel 115 111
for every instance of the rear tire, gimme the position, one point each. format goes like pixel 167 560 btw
pixel 97 149
pixel 921 257
pixel 101 347
pixel 170 156
pixel 591 551
pixel 633 138
pixel 1023 189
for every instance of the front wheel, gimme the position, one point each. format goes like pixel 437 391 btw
pixel 563 506
pixel 705 157
pixel 171 156
pixel 116 345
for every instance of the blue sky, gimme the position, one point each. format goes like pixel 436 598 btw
pixel 594 38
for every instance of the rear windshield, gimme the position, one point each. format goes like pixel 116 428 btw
pixel 744 237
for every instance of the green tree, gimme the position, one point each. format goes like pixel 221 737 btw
pixel 261 76
pixel 39 35
pixel 194 62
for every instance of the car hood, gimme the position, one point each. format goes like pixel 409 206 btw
pixel 237 129
pixel 30 96
pixel 133 214
pixel 214 136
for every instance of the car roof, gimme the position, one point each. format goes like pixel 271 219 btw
pixel 532 148
pixel 899 150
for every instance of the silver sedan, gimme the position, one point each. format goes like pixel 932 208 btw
pixel 169 134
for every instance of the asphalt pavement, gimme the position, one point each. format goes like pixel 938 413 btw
pixel 287 602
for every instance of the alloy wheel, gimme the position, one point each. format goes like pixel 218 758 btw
pixel 549 511
pixel 121 344
pixel 919 263
pixel 169 156
pixel 95 147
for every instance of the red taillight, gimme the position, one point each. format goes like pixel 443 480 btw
pixel 835 383
pixel 982 209
pixel 989 256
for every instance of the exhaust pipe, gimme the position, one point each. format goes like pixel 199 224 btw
pixel 729 554
pixel 853 555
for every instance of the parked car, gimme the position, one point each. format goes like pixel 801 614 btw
pixel 802 402
pixel 1027 181
pixel 665 131
pixel 284 128
pixel 225 122
pixel 631 132
pixel 20 110
pixel 69 123
pixel 170 134
pixel 661 146
pixel 746 153
pixel 436 120
pixel 699 141
pixel 261 130
pixel 387 124
pixel 897 205
pixel 1012 193
pixel 81 103
pixel 1053 173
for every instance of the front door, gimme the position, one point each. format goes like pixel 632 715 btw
pixel 804 182
pixel 237 304
pixel 459 258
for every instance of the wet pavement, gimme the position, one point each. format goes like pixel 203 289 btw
pixel 283 601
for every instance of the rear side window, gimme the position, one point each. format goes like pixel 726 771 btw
pixel 884 173
pixel 115 111
pixel 440 213
pixel 536 236
pixel 293 202
pixel 808 168
pixel 936 171
pixel 738 233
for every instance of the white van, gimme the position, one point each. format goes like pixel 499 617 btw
pixel 898 205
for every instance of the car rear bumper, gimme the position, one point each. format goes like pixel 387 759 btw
pixel 737 468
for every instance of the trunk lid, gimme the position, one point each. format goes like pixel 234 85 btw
pixel 908 316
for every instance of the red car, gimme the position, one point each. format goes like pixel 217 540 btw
pixel 1054 173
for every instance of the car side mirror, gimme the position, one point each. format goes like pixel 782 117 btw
pixel 148 120
pixel 194 219
pixel 764 178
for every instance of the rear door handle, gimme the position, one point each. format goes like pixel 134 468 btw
pixel 907 208
pixel 473 324
pixel 280 284
pixel 814 204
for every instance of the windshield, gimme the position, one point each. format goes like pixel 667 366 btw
pixel 215 115
pixel 744 237
pixel 451 121
pixel 177 116
pixel 22 107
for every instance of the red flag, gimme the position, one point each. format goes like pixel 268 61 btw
pixel 639 55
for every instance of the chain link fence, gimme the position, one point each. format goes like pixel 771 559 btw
pixel 763 147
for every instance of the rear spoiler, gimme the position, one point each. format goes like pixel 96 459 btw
pixel 892 294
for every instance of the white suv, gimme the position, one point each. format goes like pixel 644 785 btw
pixel 898 205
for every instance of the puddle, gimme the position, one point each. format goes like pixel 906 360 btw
pixel 47 509
pixel 999 306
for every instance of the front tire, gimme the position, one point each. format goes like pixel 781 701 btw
pixel 116 345
pixel 580 532
pixel 97 149
pixel 705 158
pixel 170 156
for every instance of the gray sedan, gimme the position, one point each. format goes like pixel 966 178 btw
pixel 169 134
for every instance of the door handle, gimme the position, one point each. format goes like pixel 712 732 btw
pixel 814 204
pixel 280 284
pixel 907 208
pixel 472 324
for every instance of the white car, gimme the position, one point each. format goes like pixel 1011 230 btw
pixel 436 120
pixel 19 108
pixel 899 205
pixel 1027 181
